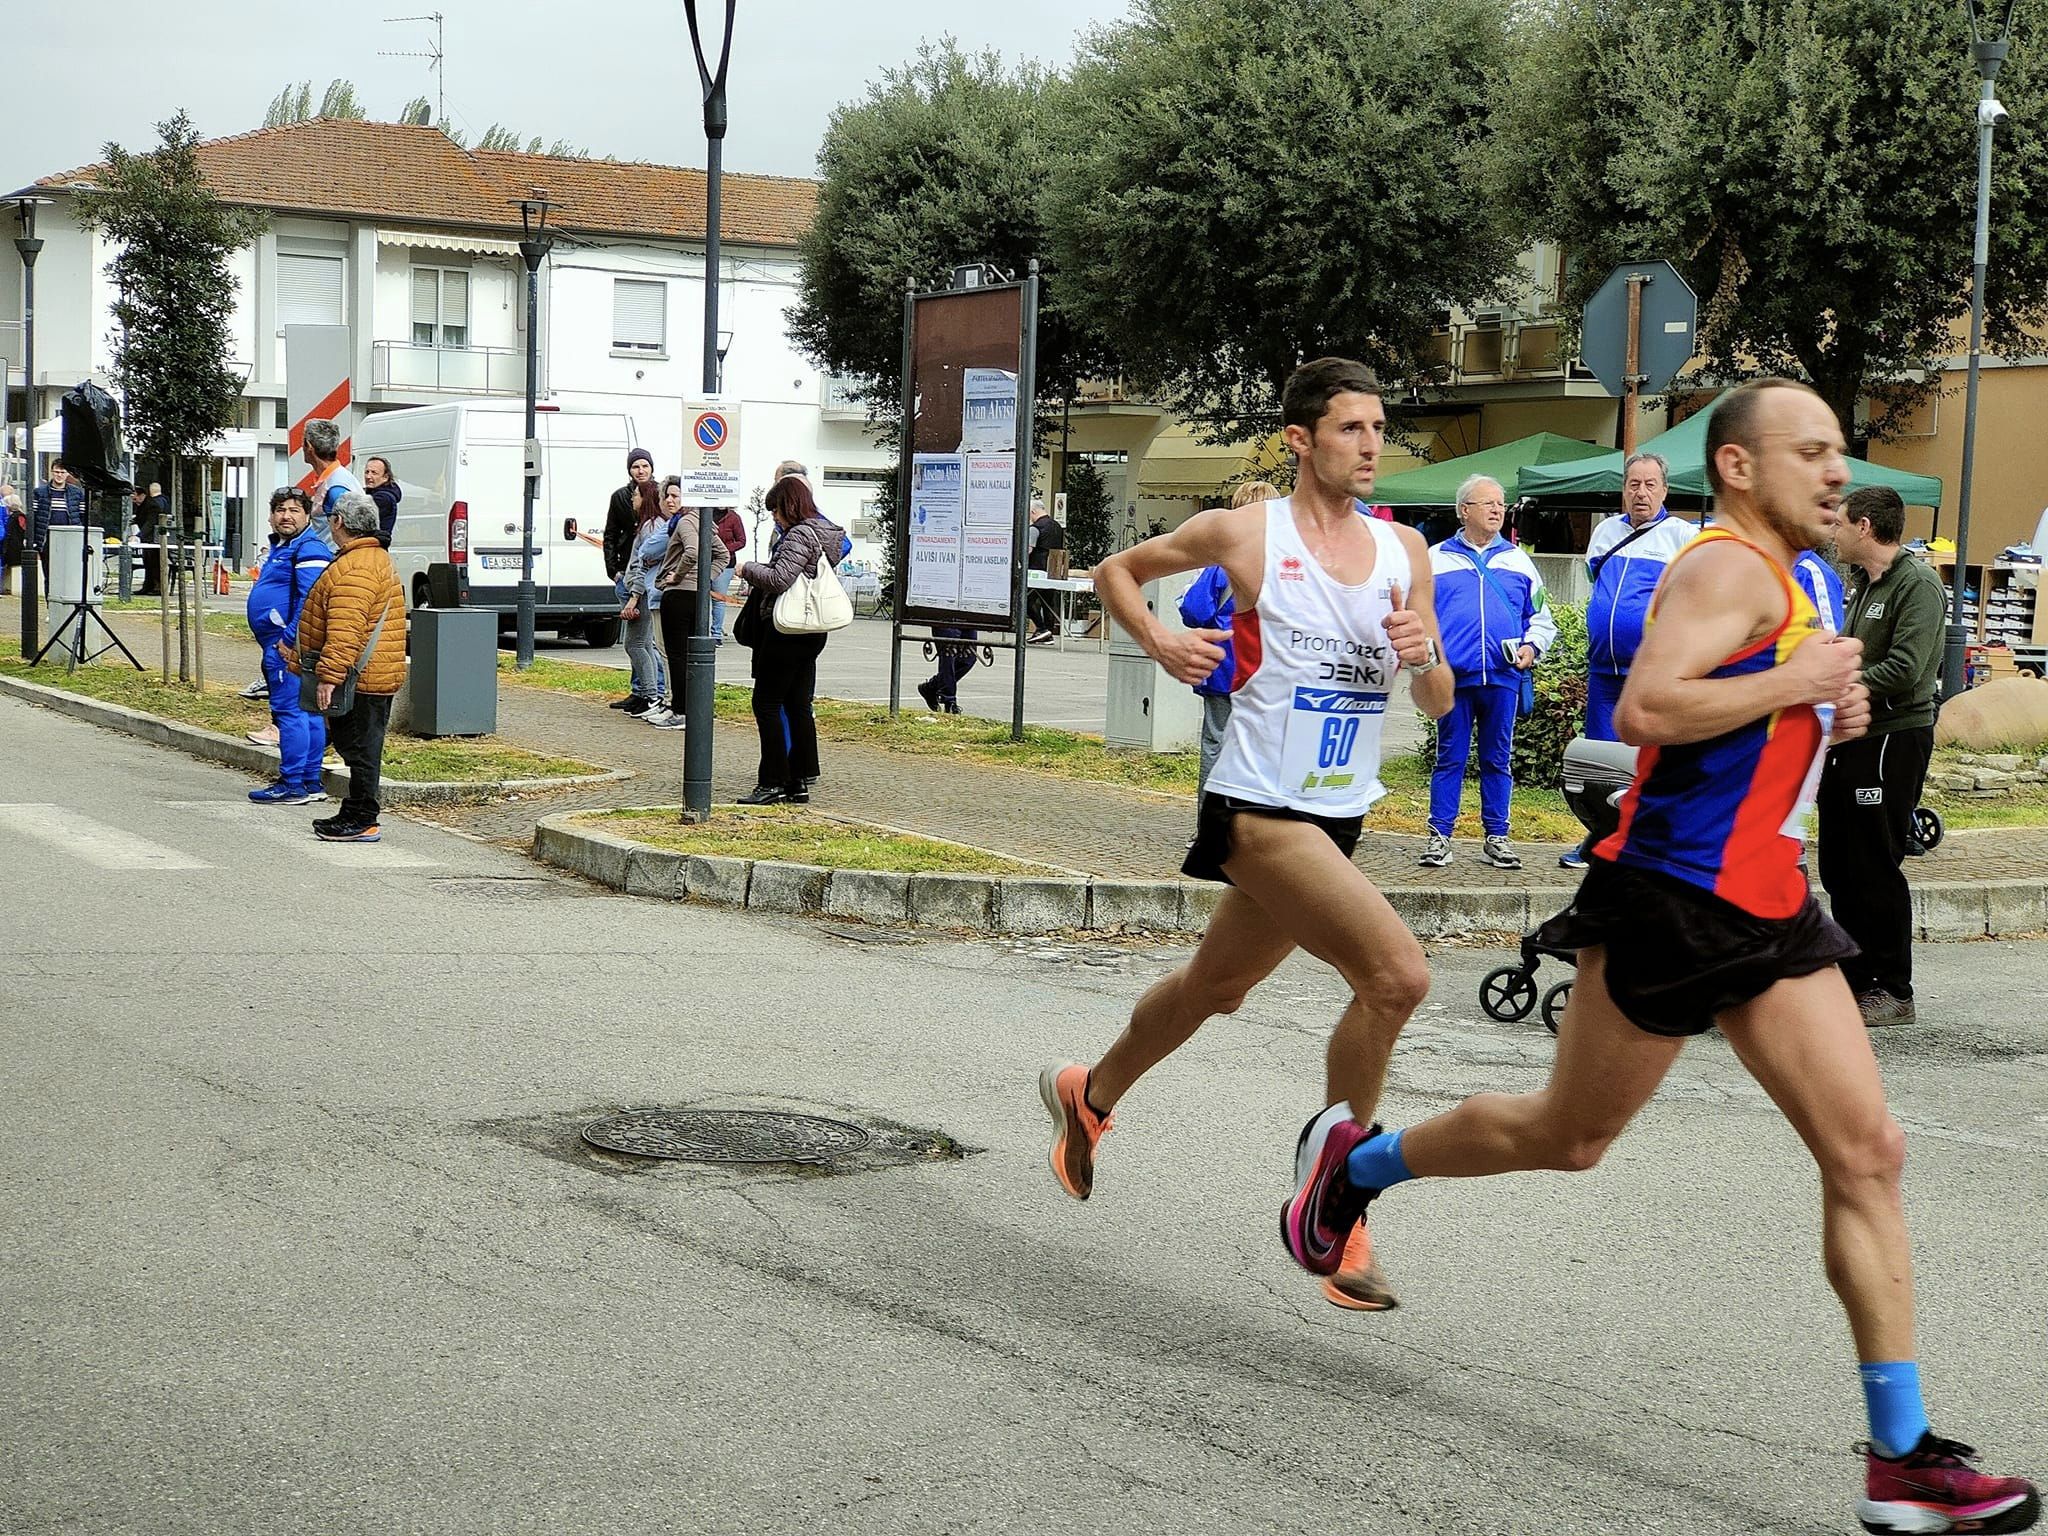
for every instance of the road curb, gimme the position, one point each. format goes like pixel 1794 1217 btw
pixel 195 741
pixel 1032 904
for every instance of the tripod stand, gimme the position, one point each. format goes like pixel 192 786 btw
pixel 71 629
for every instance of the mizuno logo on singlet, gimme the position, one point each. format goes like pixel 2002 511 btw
pixel 1329 701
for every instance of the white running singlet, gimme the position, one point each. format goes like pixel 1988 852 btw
pixel 1313 668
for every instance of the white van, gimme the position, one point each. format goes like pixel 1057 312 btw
pixel 462 469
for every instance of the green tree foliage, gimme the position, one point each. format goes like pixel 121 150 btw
pixel 1091 515
pixel 174 293
pixel 499 137
pixel 944 163
pixel 1809 165
pixel 294 104
pixel 1245 185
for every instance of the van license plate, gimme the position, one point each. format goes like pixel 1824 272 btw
pixel 501 562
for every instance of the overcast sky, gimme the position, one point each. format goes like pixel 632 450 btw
pixel 615 76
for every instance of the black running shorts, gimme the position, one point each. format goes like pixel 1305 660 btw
pixel 1678 955
pixel 1212 832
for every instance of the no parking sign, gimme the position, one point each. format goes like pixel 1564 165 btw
pixel 711 452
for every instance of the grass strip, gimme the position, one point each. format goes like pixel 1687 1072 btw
pixel 793 835
pixel 417 760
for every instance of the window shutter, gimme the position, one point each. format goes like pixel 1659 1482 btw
pixel 454 297
pixel 639 315
pixel 309 290
pixel 426 296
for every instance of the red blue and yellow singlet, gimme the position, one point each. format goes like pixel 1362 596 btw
pixel 1729 814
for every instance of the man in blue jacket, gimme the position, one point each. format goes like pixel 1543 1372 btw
pixel 1625 559
pixel 299 559
pixel 1496 625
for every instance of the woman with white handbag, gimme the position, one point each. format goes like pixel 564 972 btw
pixel 794 601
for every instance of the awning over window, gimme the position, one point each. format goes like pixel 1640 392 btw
pixel 430 240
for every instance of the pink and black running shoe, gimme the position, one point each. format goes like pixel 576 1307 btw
pixel 1326 1205
pixel 1934 1488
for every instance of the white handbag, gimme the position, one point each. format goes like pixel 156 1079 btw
pixel 814 605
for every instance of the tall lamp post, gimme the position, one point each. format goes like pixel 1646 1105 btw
pixel 30 248
pixel 533 250
pixel 700 660
pixel 1990 38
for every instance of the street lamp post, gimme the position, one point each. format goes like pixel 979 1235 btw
pixel 533 250
pixel 700 659
pixel 29 248
pixel 1990 39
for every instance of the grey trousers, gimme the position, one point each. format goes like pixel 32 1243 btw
pixel 1215 716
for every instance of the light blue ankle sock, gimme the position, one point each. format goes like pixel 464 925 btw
pixel 1891 1391
pixel 1376 1162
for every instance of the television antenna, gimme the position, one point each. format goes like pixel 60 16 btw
pixel 433 58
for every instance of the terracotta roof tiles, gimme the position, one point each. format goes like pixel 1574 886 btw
pixel 400 173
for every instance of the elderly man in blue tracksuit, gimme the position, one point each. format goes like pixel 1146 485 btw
pixel 1625 559
pixel 299 558
pixel 1496 625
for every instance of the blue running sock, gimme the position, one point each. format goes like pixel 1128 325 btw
pixel 1376 1162
pixel 1891 1391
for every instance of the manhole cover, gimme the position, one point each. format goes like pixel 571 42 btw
pixel 727 1135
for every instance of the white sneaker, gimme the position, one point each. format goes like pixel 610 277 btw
pixel 675 721
pixel 1495 851
pixel 1438 853
pixel 260 689
pixel 660 714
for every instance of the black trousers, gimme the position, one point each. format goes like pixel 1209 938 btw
pixel 359 737
pixel 1868 790
pixel 678 611
pixel 785 680
pixel 955 661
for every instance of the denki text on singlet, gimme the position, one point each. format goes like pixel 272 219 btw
pixel 1361 666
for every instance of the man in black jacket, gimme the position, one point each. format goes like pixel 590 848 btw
pixel 622 517
pixel 1046 536
pixel 1893 603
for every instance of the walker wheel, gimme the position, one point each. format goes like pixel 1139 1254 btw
pixel 1553 1005
pixel 1927 826
pixel 1508 994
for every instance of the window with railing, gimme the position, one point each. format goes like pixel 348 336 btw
pixel 440 307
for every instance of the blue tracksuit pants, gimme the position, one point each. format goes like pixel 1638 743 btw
pixel 1603 692
pixel 1492 709
pixel 301 738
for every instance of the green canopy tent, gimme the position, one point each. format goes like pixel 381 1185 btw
pixel 1684 448
pixel 1436 485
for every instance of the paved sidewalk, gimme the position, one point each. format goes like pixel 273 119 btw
pixel 1094 829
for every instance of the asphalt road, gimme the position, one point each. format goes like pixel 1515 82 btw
pixel 301 1237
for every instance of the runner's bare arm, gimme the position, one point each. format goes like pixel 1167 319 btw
pixel 1711 605
pixel 1412 625
pixel 1221 536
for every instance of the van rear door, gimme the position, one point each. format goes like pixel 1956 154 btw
pixel 494 485
pixel 585 457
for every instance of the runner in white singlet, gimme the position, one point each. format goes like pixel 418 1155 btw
pixel 1313 672
pixel 1329 607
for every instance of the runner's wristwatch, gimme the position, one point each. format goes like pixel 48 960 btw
pixel 1430 665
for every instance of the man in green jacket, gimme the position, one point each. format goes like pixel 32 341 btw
pixel 1893 603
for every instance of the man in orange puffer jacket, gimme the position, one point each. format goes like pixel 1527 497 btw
pixel 355 619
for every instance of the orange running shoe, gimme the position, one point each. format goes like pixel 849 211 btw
pixel 1076 1127
pixel 1358 1283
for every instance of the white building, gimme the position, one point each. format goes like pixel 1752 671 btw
pixel 412 242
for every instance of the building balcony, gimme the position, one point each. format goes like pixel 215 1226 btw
pixel 406 368
pixel 836 399
pixel 1505 348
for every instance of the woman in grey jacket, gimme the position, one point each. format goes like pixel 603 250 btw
pixel 786 666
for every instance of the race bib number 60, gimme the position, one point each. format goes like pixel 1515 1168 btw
pixel 1320 754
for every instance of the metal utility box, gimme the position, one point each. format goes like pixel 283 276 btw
pixel 454 674
pixel 1148 708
